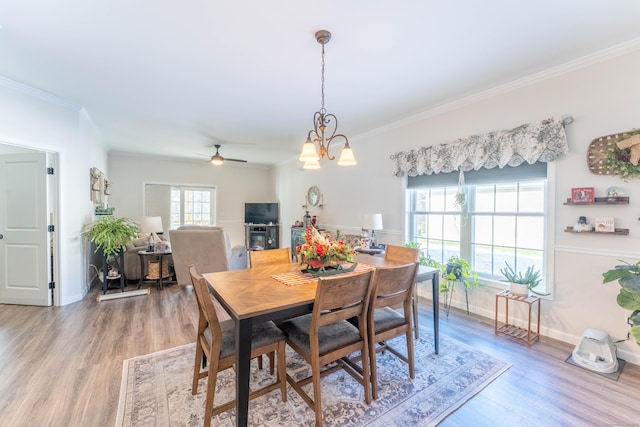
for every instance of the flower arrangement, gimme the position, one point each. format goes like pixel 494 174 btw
pixel 320 251
pixel 618 160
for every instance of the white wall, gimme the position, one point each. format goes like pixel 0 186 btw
pixel 603 97
pixel 236 185
pixel 37 120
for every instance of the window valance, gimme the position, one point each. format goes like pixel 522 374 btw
pixel 542 141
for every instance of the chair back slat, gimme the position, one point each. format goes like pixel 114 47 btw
pixel 341 297
pixel 269 257
pixel 205 304
pixel 401 254
pixel 393 285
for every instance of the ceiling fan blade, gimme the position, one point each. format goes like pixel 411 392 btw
pixel 226 159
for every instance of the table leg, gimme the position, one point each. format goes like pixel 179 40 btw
pixel 142 258
pixel 161 271
pixel 435 289
pixel 243 365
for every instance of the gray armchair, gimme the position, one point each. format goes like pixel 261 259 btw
pixel 207 248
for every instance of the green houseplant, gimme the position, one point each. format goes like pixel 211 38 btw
pixel 527 281
pixel 628 277
pixel 111 234
pixel 455 270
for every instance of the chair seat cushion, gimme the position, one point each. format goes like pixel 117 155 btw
pixel 330 337
pixel 263 334
pixel 386 318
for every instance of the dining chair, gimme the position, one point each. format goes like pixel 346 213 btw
pixel 405 255
pixel 269 257
pixel 265 258
pixel 215 342
pixel 392 285
pixel 325 335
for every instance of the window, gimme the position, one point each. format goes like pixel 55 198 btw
pixel 502 221
pixel 181 205
pixel 192 206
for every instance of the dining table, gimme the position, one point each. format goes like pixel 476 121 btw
pixel 255 295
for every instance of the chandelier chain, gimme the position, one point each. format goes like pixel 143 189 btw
pixel 322 87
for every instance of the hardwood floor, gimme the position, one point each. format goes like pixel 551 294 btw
pixel 61 366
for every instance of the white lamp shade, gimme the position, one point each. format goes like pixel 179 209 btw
pixel 151 224
pixel 372 221
pixel 311 164
pixel 309 152
pixel 346 156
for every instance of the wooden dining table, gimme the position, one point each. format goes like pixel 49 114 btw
pixel 254 295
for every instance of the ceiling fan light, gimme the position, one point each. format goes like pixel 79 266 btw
pixel 311 164
pixel 216 160
pixel 309 152
pixel 346 156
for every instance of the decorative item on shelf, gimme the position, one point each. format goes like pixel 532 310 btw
pixel 371 223
pixel 582 225
pixel 321 252
pixel 582 195
pixel 613 193
pixel 605 224
pixel 321 120
pixel 628 277
pixel 104 211
pixel 306 219
pixel 522 283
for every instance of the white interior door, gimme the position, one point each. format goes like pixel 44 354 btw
pixel 24 249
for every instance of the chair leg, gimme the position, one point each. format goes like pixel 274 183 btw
pixel 211 392
pixel 412 368
pixel 260 362
pixel 415 315
pixel 272 362
pixel 374 368
pixel 317 399
pixel 196 368
pixel 282 370
pixel 366 376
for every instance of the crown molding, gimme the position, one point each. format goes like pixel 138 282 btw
pixel 37 93
pixel 576 64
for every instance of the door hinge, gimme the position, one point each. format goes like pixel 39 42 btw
pixel 49 171
pixel 51 228
pixel 52 285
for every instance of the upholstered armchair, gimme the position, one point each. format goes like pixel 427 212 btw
pixel 207 248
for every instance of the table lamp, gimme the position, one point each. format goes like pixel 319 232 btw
pixel 371 223
pixel 153 225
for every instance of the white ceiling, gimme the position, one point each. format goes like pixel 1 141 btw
pixel 172 78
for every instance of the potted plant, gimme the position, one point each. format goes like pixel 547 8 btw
pixel 628 277
pixel 111 234
pixel 457 269
pixel 522 283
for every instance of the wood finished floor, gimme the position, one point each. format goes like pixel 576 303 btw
pixel 61 366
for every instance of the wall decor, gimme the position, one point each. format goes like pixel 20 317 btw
pixel 97 185
pixel 605 224
pixel 615 154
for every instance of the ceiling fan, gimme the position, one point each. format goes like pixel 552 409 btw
pixel 217 159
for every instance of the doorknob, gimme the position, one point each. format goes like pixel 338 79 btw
pixel 1 236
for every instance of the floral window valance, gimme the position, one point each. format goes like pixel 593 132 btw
pixel 542 141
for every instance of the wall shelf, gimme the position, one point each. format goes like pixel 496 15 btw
pixel 602 201
pixel 619 231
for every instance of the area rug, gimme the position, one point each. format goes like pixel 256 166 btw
pixel 156 389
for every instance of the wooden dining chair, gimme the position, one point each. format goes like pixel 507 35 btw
pixel 392 286
pixel 405 255
pixel 325 335
pixel 269 257
pixel 265 258
pixel 215 343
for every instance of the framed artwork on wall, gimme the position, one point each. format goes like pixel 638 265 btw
pixel 582 195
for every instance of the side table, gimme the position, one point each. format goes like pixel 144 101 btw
pixel 526 335
pixel 148 256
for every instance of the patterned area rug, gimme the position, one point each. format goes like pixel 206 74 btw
pixel 156 389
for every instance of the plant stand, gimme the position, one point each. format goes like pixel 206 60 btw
pixel 510 330
pixel 448 296
pixel 106 280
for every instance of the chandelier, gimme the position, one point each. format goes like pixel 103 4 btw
pixel 320 135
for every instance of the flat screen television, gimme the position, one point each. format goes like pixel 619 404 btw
pixel 260 213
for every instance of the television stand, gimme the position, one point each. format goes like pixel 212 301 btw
pixel 259 237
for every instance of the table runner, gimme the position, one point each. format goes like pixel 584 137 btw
pixel 298 278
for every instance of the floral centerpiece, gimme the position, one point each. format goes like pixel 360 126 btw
pixel 320 252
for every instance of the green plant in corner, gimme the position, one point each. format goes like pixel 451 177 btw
pixel 111 234
pixel 628 277
pixel 531 277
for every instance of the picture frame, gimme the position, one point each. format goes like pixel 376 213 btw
pixel 605 224
pixel 583 195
